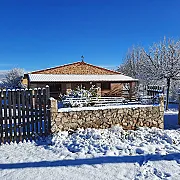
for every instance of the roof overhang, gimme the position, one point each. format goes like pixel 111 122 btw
pixel 79 78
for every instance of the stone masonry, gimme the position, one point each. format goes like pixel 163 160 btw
pixel 127 117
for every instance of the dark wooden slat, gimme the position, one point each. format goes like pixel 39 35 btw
pixel 5 117
pixel 48 114
pixel 19 115
pixel 44 112
pixel 36 111
pixel 47 94
pixel 33 115
pixel 1 118
pixel 31 112
pixel 27 114
pixel 48 117
pixel 40 110
pixel 10 114
pixel 14 138
pixel 23 114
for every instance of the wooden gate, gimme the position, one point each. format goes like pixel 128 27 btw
pixel 24 114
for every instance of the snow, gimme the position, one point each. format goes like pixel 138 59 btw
pixel 171 117
pixel 78 77
pixel 97 154
pixel 103 107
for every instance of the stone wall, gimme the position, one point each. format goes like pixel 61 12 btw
pixel 129 117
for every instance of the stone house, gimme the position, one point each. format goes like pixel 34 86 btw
pixel 62 79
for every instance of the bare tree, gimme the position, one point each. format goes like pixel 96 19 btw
pixel 163 62
pixel 159 63
pixel 174 90
pixel 130 64
pixel 13 78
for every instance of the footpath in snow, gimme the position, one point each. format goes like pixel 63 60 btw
pixel 97 154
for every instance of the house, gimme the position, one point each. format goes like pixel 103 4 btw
pixel 62 79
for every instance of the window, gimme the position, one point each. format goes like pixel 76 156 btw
pixel 105 86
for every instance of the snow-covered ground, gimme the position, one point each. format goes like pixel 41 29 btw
pixel 97 154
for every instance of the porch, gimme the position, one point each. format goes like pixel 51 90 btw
pixel 108 85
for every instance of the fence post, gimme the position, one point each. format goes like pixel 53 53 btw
pixel 53 112
pixel 53 105
pixel 161 104
pixel 47 94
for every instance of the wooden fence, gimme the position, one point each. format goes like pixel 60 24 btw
pixel 24 114
pixel 153 90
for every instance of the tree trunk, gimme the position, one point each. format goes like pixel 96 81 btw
pixel 167 95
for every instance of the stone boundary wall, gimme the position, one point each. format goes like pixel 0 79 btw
pixel 129 117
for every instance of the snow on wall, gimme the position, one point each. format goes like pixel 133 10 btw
pixel 129 117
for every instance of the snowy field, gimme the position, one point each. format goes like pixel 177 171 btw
pixel 97 154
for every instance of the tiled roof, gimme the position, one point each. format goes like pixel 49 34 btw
pixel 76 68
pixel 78 78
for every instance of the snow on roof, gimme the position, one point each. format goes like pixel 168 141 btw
pixel 77 78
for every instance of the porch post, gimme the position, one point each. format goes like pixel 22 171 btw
pixel 68 88
pixel 98 85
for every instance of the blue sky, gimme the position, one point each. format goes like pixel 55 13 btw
pixel 38 34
